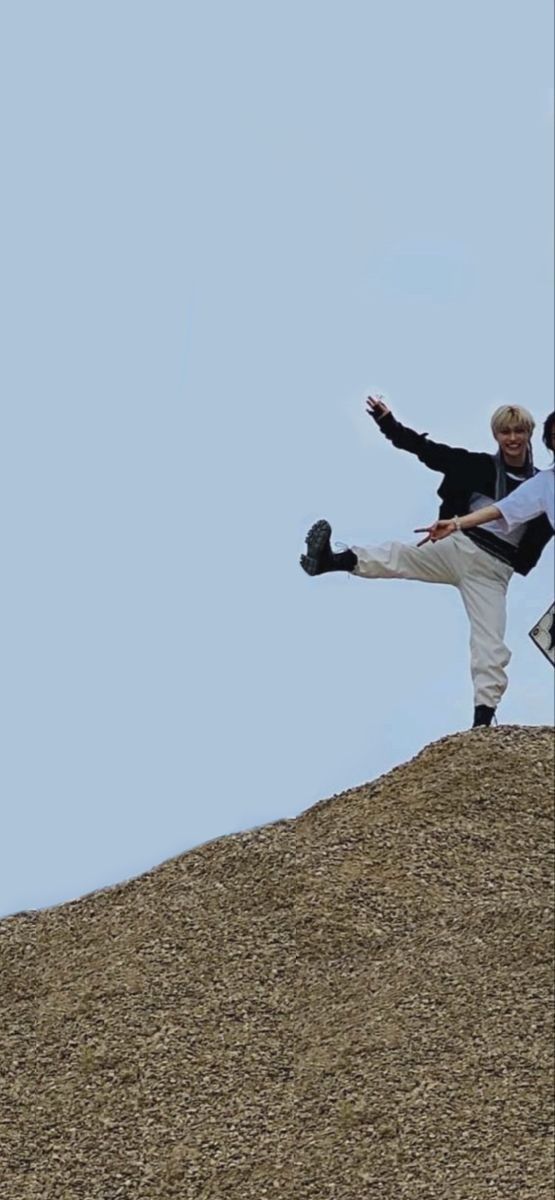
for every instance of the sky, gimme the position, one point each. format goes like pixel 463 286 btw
pixel 222 226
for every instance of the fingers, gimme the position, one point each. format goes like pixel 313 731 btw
pixel 376 406
pixel 436 532
pixel 432 532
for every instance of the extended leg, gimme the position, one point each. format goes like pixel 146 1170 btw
pixel 433 563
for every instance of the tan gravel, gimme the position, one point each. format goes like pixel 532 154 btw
pixel 356 1003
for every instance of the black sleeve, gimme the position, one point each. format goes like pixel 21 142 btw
pixel 434 455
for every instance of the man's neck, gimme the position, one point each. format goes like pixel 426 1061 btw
pixel 515 463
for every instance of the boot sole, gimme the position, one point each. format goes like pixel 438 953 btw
pixel 316 539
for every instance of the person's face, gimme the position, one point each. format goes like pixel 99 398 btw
pixel 513 444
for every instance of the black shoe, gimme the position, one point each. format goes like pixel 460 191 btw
pixel 483 715
pixel 320 557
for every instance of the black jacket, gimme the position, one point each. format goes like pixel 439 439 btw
pixel 465 472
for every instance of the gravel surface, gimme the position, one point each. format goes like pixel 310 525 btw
pixel 355 1003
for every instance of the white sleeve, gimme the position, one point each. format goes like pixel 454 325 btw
pixel 529 500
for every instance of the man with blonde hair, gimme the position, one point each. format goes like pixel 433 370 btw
pixel 537 495
pixel 478 563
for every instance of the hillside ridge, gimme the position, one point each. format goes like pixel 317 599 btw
pixel 355 1002
pixel 478 736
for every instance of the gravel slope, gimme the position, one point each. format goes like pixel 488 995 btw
pixel 355 1003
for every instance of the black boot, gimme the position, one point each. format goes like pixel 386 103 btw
pixel 320 557
pixel 483 715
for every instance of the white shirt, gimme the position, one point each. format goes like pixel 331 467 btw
pixel 512 534
pixel 531 499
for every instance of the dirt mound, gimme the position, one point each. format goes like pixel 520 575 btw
pixel 356 1003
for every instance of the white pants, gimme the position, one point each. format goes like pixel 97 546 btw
pixel 482 581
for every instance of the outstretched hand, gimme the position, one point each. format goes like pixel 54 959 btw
pixel 376 407
pixel 436 532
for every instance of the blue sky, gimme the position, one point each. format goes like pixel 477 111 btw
pixel 222 224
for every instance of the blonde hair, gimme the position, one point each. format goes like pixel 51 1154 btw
pixel 511 416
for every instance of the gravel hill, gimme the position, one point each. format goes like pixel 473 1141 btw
pixel 355 1003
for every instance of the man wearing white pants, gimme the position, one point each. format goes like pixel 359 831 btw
pixel 479 563
pixel 482 582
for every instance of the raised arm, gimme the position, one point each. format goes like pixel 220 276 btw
pixel 434 455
